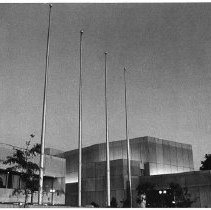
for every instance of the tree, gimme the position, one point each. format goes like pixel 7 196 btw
pixel 126 201
pixel 174 196
pixel 95 205
pixel 148 190
pixel 206 164
pixel 22 162
pixel 177 196
pixel 114 203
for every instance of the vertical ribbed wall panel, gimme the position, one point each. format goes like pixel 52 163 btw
pixel 95 153
pixel 173 153
pixel 124 149
pixel 165 169
pixel 160 169
pixel 102 152
pixel 144 150
pixel 117 182
pixel 179 155
pixel 135 168
pixel 84 156
pixel 118 150
pixel 88 152
pixel 191 158
pixel 152 150
pixel 88 185
pixel 135 182
pixel 124 166
pixel 100 184
pixel 166 153
pixel 185 156
pixel 174 169
pixel 205 196
pixel 153 168
pixel 159 151
pixel 84 175
pixel 90 170
pixel 100 169
pixel 111 150
pixel 116 167
pixel 135 150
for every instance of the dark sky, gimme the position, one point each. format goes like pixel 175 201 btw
pixel 165 47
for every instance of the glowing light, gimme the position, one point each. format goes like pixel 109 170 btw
pixel 162 192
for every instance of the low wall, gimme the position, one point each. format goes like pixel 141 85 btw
pixel 6 196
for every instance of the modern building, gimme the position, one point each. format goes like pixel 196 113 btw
pixel 54 179
pixel 197 183
pixel 149 156
pixel 153 160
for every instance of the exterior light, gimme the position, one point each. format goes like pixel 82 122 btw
pixel 173 202
pixel 162 192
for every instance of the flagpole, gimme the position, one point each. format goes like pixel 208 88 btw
pixel 107 141
pixel 41 174
pixel 80 125
pixel 128 141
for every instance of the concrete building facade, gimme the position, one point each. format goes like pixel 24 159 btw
pixel 152 160
pixel 54 180
pixel 149 156
pixel 198 184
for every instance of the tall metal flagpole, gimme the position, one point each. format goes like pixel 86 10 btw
pixel 128 141
pixel 107 142
pixel 44 114
pixel 80 125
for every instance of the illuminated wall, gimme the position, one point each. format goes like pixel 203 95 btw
pixel 166 157
pixel 156 155
pixel 94 182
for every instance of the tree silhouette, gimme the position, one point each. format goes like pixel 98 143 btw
pixel 175 195
pixel 206 164
pixel 114 203
pixel 22 162
pixel 152 196
pixel 126 201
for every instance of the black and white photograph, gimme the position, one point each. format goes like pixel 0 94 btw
pixel 105 104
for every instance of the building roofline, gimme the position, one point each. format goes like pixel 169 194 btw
pixel 11 148
pixel 103 143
